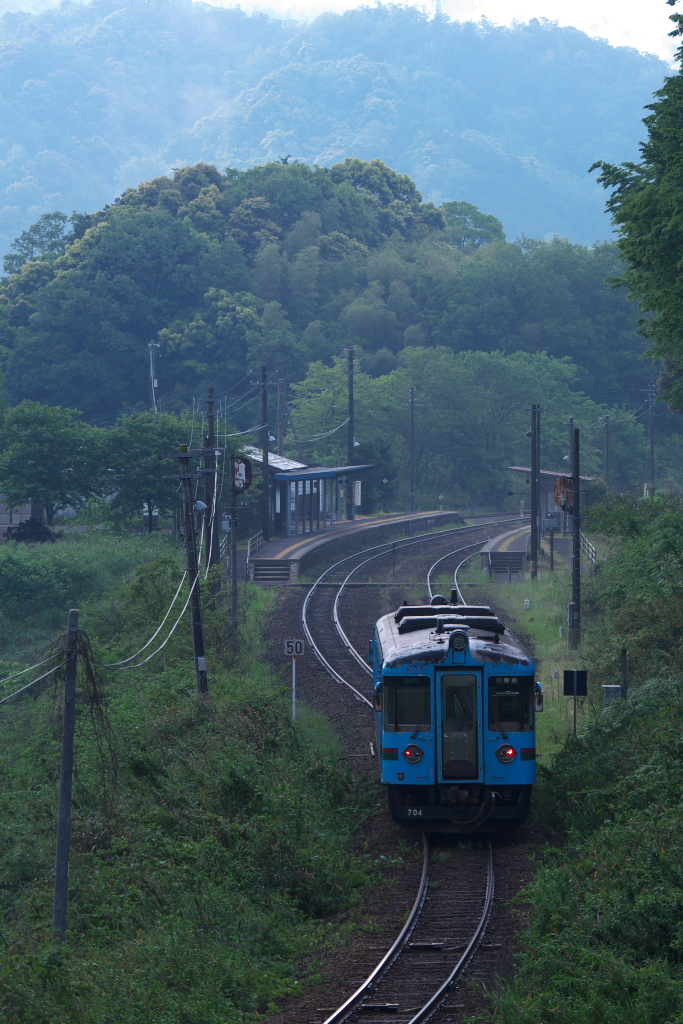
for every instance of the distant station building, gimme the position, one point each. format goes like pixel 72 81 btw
pixel 304 499
pixel 548 480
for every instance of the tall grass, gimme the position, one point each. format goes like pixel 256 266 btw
pixel 207 862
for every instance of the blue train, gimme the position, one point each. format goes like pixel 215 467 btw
pixel 455 699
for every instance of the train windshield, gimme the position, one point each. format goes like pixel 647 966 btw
pixel 511 703
pixel 460 726
pixel 407 703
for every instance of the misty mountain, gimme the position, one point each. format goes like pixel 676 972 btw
pixel 96 98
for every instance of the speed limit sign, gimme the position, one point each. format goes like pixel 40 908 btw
pixel 294 648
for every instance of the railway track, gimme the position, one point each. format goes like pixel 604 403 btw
pixel 416 979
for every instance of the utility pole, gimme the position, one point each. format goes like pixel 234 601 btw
pixel 190 531
pixel 575 634
pixel 265 512
pixel 534 495
pixel 61 899
pixel 280 418
pixel 539 514
pixel 651 436
pixel 607 419
pixel 233 557
pixel 412 449
pixel 212 543
pixel 350 506
pixel 152 378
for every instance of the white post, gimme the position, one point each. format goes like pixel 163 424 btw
pixel 294 688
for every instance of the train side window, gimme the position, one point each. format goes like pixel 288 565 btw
pixel 407 703
pixel 511 704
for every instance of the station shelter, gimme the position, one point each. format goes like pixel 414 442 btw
pixel 547 491
pixel 305 499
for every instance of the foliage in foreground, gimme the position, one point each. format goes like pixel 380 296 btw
pixel 605 938
pixel 201 870
pixel 636 600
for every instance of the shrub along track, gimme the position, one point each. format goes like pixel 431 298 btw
pixel 375 584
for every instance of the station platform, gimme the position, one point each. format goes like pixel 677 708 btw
pixel 505 556
pixel 284 559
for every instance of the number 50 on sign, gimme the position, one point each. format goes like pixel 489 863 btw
pixel 294 648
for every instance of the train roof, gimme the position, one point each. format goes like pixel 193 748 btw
pixel 420 634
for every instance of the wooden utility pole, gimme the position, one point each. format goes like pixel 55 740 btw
pixel 212 541
pixel 534 495
pixel 651 436
pixel 607 419
pixel 351 440
pixel 575 632
pixel 190 531
pixel 61 899
pixel 265 508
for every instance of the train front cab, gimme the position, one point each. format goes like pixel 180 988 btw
pixel 458 745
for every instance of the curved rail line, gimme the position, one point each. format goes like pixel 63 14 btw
pixel 401 947
pixel 379 549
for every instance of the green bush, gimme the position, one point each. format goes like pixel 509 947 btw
pixel 606 940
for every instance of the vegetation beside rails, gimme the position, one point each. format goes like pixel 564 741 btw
pixel 605 938
pixel 40 582
pixel 214 846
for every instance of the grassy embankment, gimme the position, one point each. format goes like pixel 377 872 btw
pixel 604 944
pixel 214 846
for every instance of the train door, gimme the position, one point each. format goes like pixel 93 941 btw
pixel 460 739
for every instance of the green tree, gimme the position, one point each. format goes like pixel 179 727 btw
pixel 44 240
pixel 469 228
pixel 49 458
pixel 135 473
pixel 646 204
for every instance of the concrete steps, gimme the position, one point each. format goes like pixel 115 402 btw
pixel 272 571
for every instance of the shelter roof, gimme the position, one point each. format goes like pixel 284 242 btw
pixel 549 472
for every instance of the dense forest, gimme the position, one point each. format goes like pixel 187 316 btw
pixel 95 98
pixel 285 265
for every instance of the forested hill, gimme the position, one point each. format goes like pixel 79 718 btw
pixel 285 265
pixel 97 98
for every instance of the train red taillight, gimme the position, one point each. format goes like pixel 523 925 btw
pixel 506 753
pixel 413 753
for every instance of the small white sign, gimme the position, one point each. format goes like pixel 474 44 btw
pixel 294 648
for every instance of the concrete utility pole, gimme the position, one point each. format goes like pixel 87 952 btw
pixel 534 494
pixel 61 899
pixel 265 508
pixel 539 492
pixel 280 418
pixel 190 531
pixel 350 504
pixel 212 542
pixel 651 436
pixel 607 419
pixel 152 377
pixel 575 633
pixel 233 557
pixel 412 449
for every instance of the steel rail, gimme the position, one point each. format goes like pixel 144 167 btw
pixel 432 1004
pixel 443 559
pixel 349 1006
pixel 380 549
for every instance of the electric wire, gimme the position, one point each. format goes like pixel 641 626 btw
pixel 173 629
pixel 317 437
pixel 117 664
pixel 23 671
pixel 32 683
